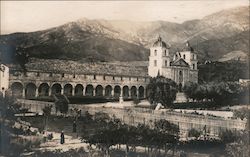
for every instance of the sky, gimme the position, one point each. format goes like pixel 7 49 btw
pixel 28 16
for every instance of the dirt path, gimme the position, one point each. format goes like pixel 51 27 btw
pixel 70 143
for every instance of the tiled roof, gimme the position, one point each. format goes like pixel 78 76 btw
pixel 62 66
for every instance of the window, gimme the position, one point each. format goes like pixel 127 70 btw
pixel 137 79
pixel 50 74
pixel 38 74
pixel 129 78
pixel 121 78
pixel 193 66
pixel 165 53
pixel 113 78
pixel 85 76
pixel 184 56
pixel 166 63
pixel 155 63
pixel 62 74
pixel 155 52
pixel 74 76
pixel 94 77
pixel 104 78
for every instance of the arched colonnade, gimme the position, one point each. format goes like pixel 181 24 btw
pixel 32 90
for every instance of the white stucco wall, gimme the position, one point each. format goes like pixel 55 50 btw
pixel 4 77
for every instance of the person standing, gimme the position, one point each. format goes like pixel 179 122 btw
pixel 74 127
pixel 62 138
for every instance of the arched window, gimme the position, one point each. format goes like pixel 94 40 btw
pixel 193 66
pixel 155 52
pixel 166 63
pixel 165 53
pixel 184 56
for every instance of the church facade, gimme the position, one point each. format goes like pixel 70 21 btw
pixel 182 67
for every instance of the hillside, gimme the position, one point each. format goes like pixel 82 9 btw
pixel 101 40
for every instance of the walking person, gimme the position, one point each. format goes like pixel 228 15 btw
pixel 62 138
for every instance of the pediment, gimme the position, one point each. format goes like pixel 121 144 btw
pixel 180 62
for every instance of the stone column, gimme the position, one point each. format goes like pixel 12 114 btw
pixel 73 91
pixel 62 91
pixel 36 95
pixel 121 93
pixel 113 92
pixel 94 92
pixel 23 94
pixel 50 91
pixel 183 78
pixel 103 92
pixel 137 93
pixel 129 94
pixel 83 91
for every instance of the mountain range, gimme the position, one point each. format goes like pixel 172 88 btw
pixel 214 37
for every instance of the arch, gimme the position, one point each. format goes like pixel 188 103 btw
pixel 108 91
pixel 141 92
pixel 125 91
pixel 79 90
pixel 89 90
pixel 43 89
pixel 68 88
pixel 133 91
pixel 117 91
pixel 99 90
pixel 56 88
pixel 30 90
pixel 17 89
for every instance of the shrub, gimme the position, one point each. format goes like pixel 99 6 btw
pixel 227 136
pixel 194 133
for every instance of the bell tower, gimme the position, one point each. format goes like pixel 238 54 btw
pixel 159 59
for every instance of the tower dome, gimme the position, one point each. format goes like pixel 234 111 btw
pixel 188 47
pixel 160 43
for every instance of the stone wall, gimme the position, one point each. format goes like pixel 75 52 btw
pixel 212 125
pixel 133 116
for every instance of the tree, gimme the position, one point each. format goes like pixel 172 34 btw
pixel 222 93
pixel 62 105
pixel 162 90
pixel 189 89
pixel 46 114
pixel 242 113
pixel 22 57
pixel 166 127
pixel 167 134
pixel 240 145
